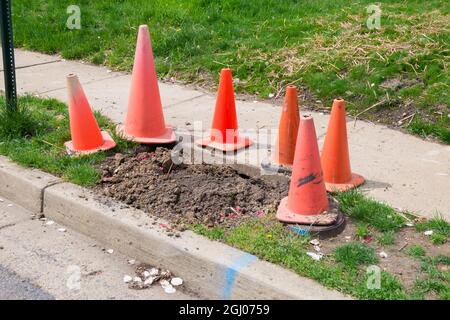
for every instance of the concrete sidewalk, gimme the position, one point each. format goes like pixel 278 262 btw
pixel 402 170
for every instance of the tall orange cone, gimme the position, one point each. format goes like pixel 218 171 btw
pixel 288 129
pixel 86 135
pixel 145 119
pixel 224 131
pixel 335 155
pixel 307 200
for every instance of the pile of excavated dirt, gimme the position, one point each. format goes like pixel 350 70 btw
pixel 188 194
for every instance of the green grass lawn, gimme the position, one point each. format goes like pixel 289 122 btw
pixel 323 46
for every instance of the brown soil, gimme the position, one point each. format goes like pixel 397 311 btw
pixel 187 194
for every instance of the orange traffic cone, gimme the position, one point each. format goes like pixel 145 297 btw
pixel 307 200
pixel 86 135
pixel 335 156
pixel 288 129
pixel 145 119
pixel 224 132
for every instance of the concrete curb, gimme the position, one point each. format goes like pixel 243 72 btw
pixel 213 269
pixel 24 186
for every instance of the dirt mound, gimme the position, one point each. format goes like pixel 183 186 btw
pixel 206 194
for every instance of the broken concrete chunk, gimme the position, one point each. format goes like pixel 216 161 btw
pixel 315 256
pixel 383 254
pixel 127 278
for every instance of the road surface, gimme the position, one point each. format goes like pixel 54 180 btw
pixel 39 260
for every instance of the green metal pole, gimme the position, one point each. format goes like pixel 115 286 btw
pixel 9 68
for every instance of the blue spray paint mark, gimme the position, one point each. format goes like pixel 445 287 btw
pixel 298 230
pixel 230 273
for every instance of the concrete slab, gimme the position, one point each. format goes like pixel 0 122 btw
pixel 22 185
pixel 11 214
pixel 110 95
pixel 25 59
pixel 69 265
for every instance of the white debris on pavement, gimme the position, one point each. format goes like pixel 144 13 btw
pixel 315 256
pixel 176 282
pixel 169 289
pixel 428 232
pixel 9 205
pixel 1 200
pixel 383 254
pixel 49 223
pixel 62 230
pixel 145 277
pixel 154 272
pixel 110 251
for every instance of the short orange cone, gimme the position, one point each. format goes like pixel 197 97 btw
pixel 86 135
pixel 288 129
pixel 335 155
pixel 224 132
pixel 307 200
pixel 145 119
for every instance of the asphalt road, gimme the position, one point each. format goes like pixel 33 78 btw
pixel 13 287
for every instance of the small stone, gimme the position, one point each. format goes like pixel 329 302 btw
pixel 383 255
pixel 315 256
pixel 149 281
pixel 137 279
pixel 49 223
pixel 131 261
pixel 317 248
pixel 410 224
pixel 169 289
pixel 146 274
pixel 428 232
pixel 164 283
pixel 62 230
pixel 1 200
pixel 127 278
pixel 110 251
pixel 154 272
pixel 315 242
pixel 176 282
pixel 271 95
pixel 9 205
